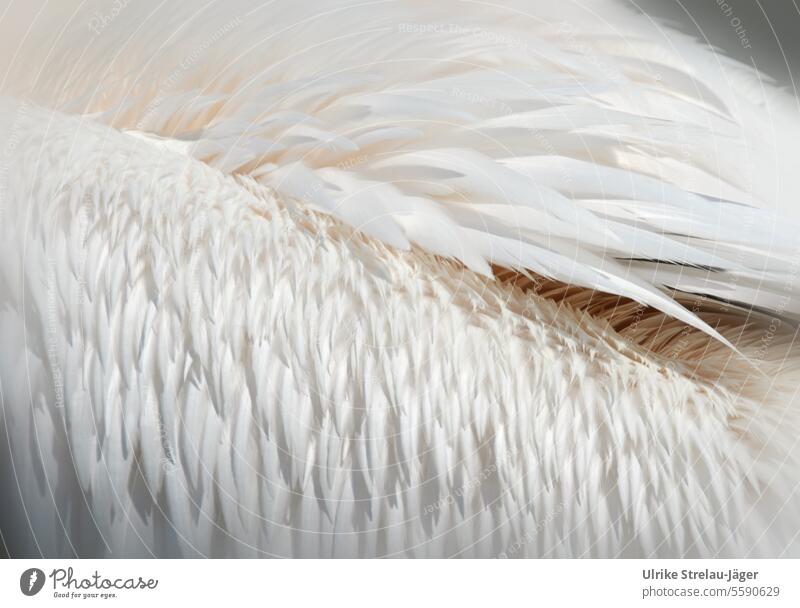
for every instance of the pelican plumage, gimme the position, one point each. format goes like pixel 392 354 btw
pixel 393 278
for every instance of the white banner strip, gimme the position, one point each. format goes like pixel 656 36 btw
pixel 400 583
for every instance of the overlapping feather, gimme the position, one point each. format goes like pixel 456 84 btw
pixel 522 137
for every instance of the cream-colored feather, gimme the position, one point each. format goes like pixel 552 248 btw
pixel 256 295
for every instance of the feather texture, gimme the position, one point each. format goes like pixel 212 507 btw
pixel 522 121
pixel 251 283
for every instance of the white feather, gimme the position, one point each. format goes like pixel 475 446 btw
pixel 275 328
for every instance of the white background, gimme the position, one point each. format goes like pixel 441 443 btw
pixel 398 583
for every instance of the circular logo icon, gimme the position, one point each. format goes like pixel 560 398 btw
pixel 31 581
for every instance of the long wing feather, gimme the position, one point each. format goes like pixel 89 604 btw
pixel 524 137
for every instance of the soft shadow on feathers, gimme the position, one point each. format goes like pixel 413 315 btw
pixel 394 279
